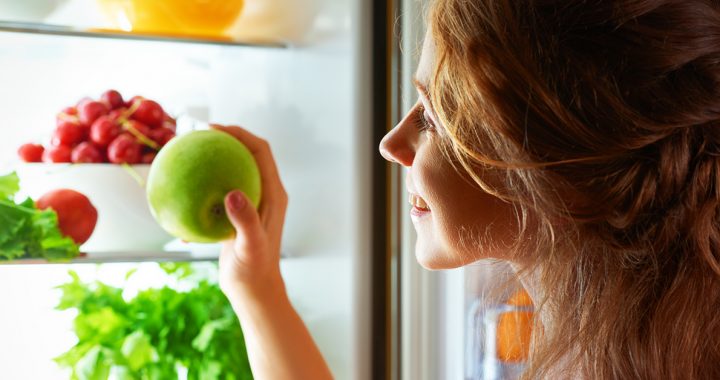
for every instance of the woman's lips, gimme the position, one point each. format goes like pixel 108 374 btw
pixel 418 202
pixel 420 207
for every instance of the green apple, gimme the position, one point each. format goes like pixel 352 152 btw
pixel 189 179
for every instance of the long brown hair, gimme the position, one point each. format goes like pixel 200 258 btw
pixel 603 118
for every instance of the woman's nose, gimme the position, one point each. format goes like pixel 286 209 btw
pixel 396 146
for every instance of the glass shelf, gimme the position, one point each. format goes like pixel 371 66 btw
pixel 47 29
pixel 130 257
pixel 122 257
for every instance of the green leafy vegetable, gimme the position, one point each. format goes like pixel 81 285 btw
pixel 157 334
pixel 26 231
pixel 9 185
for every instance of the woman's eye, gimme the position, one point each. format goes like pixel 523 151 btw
pixel 421 121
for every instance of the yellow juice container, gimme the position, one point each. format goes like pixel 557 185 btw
pixel 173 17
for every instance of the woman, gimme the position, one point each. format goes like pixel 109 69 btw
pixel 578 140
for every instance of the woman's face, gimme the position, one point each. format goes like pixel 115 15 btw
pixel 456 222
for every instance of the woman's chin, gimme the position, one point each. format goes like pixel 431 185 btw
pixel 433 259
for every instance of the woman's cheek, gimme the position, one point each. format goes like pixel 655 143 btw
pixel 470 224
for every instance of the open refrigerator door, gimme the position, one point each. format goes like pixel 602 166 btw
pixel 310 97
pixel 469 323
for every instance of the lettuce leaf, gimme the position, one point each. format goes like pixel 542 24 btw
pixel 26 232
pixel 156 332
pixel 9 185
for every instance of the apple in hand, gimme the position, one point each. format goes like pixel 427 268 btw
pixel 189 179
pixel 77 216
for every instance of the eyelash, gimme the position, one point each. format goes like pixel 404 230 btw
pixel 422 123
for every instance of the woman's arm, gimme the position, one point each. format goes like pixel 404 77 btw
pixel 278 343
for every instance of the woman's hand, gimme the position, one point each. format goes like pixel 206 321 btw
pixel 250 263
pixel 278 343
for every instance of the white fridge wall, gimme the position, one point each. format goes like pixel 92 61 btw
pixel 311 102
pixel 302 99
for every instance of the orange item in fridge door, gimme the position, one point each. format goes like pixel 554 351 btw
pixel 173 17
pixel 514 329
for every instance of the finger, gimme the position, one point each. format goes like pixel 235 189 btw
pixel 250 235
pixel 272 217
pixel 274 198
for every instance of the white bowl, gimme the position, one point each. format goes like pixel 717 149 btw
pixel 27 10
pixel 118 193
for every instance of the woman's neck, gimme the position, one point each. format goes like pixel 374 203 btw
pixel 530 280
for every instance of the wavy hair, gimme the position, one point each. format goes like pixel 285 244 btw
pixel 603 119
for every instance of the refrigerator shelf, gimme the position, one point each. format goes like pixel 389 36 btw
pixel 122 257
pixel 133 257
pixel 48 29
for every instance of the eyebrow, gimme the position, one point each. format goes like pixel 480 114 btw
pixel 424 91
pixel 421 87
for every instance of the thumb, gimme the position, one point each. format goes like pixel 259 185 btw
pixel 245 219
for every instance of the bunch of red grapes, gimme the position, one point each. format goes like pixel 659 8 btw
pixel 107 130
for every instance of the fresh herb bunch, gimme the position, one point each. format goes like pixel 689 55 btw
pixel 25 231
pixel 159 334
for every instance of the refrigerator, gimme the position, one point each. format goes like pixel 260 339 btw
pixel 302 75
pixel 322 81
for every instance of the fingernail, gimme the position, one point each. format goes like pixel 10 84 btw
pixel 237 201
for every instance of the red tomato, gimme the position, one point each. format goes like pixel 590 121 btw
pixel 77 216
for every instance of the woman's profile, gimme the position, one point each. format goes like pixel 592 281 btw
pixel 577 140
